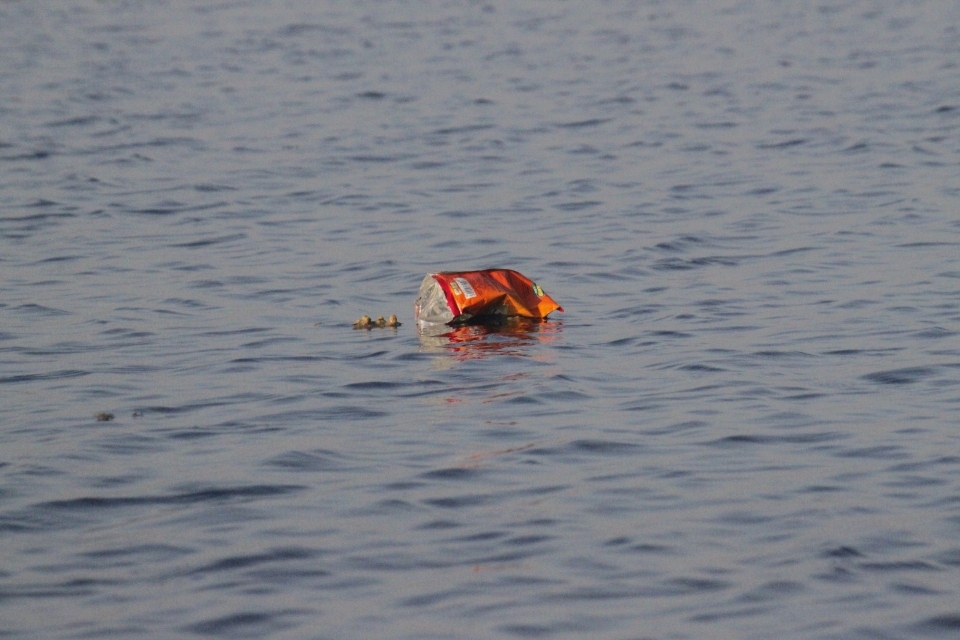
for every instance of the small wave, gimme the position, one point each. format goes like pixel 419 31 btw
pixel 247 624
pixel 204 495
pixel 906 375
pixel 52 375
pixel 946 625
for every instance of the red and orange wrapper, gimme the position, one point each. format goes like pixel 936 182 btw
pixel 461 297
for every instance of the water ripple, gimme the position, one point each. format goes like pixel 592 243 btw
pixel 744 420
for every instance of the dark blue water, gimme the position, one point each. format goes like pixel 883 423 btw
pixel 744 425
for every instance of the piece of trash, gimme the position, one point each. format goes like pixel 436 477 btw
pixel 104 416
pixel 491 295
pixel 365 322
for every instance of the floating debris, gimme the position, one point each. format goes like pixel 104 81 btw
pixel 365 322
pixel 487 297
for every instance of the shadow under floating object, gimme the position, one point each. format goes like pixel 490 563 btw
pixel 517 337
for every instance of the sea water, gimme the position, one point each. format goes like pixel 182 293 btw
pixel 745 424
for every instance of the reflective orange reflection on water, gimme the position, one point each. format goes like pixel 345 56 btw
pixel 515 337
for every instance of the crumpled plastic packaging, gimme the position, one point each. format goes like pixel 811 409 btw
pixel 462 297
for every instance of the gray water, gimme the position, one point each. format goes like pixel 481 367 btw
pixel 745 425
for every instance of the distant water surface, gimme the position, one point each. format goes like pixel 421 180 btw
pixel 745 425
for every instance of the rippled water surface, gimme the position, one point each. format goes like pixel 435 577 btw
pixel 745 425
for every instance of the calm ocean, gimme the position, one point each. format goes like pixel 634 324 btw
pixel 746 425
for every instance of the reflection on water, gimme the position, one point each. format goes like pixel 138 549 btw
pixel 511 337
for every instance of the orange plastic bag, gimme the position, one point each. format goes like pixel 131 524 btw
pixel 459 297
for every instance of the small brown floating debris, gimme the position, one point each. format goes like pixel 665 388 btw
pixel 363 323
pixel 366 322
pixel 104 416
